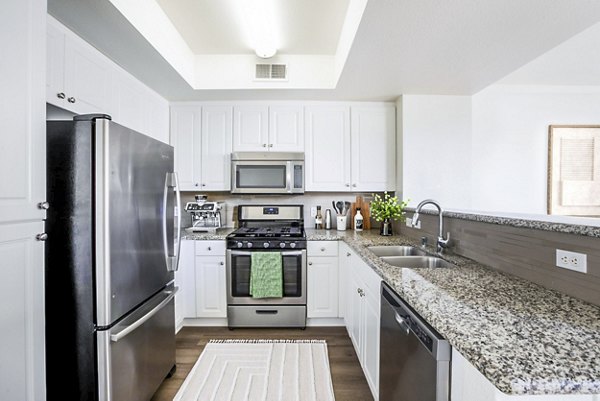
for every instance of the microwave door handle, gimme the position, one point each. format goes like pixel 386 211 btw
pixel 288 177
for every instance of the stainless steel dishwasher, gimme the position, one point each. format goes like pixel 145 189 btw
pixel 414 359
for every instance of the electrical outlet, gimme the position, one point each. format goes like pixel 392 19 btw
pixel 571 260
pixel 313 211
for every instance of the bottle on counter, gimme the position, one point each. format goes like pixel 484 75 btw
pixel 358 220
pixel 328 219
pixel 319 219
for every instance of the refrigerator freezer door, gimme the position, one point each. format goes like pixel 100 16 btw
pixel 130 173
pixel 137 354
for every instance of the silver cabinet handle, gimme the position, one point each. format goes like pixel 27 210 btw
pixel 354 185
pixel 61 95
pixel 361 292
pixel 221 263
pixel 196 184
pixel 264 145
pixel 310 263
pixel 203 185
pixel 270 145
pixel 43 205
pixel 209 248
pixel 348 254
pixel 71 100
pixel 41 237
pixel 347 185
pixel 322 249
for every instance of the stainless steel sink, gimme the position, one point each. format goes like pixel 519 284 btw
pixel 396 250
pixel 416 261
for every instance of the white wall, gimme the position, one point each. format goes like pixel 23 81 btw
pixel 436 142
pixel 510 142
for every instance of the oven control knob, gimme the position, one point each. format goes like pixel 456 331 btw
pixel 282 245
pixel 292 245
pixel 239 245
pixel 249 245
pixel 266 244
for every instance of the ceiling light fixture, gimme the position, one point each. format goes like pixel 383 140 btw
pixel 259 25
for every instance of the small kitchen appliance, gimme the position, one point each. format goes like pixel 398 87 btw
pixel 272 229
pixel 268 173
pixel 206 216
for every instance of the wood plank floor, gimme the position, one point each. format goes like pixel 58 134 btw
pixel 349 383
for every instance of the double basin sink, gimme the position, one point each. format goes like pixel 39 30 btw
pixel 407 256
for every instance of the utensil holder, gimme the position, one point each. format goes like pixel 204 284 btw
pixel 342 221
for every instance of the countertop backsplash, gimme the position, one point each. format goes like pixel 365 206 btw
pixel 309 199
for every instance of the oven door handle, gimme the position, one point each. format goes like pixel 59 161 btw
pixel 283 253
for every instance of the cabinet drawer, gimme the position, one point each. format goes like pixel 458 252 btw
pixel 322 248
pixel 210 248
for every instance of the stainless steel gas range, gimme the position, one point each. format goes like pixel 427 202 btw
pixel 274 229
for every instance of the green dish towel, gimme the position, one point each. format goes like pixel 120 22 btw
pixel 266 275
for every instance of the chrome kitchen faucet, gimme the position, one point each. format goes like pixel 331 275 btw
pixel 442 243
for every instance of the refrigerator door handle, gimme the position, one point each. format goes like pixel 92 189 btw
pixel 172 261
pixel 124 332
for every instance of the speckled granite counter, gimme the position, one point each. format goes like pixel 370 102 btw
pixel 524 338
pixel 220 234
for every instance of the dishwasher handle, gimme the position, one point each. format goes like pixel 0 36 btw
pixel 402 323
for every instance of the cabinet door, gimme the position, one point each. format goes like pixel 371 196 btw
pixel 327 155
pixel 373 148
pixel 211 298
pixel 22 312
pixel 353 314
pixel 87 78
pixel 22 115
pixel 286 128
pixel 185 138
pixel 370 337
pixel 344 266
pixel 322 286
pixel 55 65
pixel 250 128
pixel 185 279
pixel 216 148
pixel 127 101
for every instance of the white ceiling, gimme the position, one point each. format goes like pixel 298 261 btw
pixel 213 26
pixel 401 47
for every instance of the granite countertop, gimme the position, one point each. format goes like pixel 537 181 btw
pixel 525 339
pixel 220 234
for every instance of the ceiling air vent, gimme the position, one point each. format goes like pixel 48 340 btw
pixel 271 72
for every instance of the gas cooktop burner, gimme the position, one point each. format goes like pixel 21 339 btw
pixel 268 232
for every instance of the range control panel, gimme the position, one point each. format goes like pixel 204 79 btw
pixel 265 243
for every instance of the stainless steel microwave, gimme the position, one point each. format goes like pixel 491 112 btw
pixel 267 173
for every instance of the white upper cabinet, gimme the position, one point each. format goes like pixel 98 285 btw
pixel 201 136
pixel 78 76
pixel 251 128
pixel 286 128
pixel 216 148
pixel 186 139
pixel 373 147
pixel 82 80
pixel 327 156
pixel 350 148
pixel 276 128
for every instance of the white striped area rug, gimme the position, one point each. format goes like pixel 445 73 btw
pixel 260 370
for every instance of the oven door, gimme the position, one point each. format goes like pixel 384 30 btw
pixel 294 278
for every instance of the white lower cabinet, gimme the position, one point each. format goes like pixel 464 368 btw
pixel 201 280
pixel 362 314
pixel 322 280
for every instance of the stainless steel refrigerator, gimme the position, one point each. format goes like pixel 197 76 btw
pixel 111 252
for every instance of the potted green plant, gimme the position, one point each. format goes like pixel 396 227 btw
pixel 385 209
